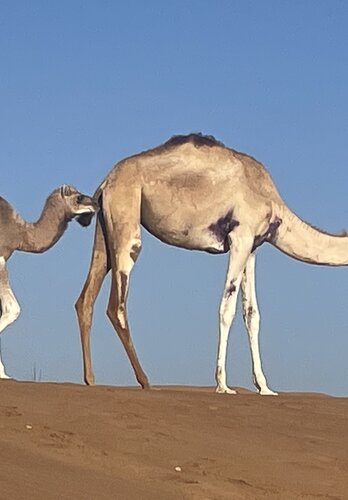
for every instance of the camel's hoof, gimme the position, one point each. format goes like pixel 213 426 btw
pixel 4 376
pixel 146 386
pixel 225 390
pixel 267 392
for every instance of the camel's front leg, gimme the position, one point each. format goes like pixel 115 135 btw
pixel 251 318
pixel 9 307
pixel 240 244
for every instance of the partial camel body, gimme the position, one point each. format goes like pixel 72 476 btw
pixel 61 206
pixel 193 192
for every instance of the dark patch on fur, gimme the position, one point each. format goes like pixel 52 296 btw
pixel 249 313
pixel 216 251
pixel 135 251
pixel 85 219
pixel 230 289
pixel 124 281
pixel 268 235
pixel 222 227
pixel 197 139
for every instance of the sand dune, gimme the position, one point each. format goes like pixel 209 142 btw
pixel 65 441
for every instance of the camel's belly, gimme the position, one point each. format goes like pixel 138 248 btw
pixel 191 229
pixel 189 239
pixel 190 211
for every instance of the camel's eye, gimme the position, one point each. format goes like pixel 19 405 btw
pixel 79 199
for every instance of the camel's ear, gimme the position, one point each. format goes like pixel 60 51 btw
pixel 63 190
pixel 66 190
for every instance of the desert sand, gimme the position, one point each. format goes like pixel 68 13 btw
pixel 67 441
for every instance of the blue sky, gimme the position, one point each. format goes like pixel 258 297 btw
pixel 84 84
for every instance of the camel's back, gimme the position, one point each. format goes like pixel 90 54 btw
pixel 195 159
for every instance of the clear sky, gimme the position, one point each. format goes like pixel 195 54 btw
pixel 84 84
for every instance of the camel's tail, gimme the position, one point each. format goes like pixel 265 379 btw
pixel 306 243
pixel 85 219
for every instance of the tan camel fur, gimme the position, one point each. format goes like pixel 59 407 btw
pixel 193 192
pixel 61 206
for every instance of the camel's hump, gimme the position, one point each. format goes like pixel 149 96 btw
pixel 197 139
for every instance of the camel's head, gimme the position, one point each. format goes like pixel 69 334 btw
pixel 78 204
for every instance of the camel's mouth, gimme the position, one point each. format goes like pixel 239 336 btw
pixel 85 218
pixel 86 210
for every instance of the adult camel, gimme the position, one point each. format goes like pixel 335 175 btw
pixel 195 193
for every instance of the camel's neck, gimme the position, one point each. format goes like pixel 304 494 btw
pixel 308 244
pixel 39 236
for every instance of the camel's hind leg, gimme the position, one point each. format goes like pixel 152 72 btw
pixel 124 242
pixel 118 316
pixel 98 269
pixel 241 241
pixel 251 318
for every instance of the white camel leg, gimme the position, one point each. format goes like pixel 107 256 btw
pixel 227 314
pixel 240 245
pixel 251 318
pixel 9 306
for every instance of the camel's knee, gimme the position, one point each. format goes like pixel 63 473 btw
pixel 84 312
pixel 79 305
pixel 84 304
pixel 225 319
pixel 227 313
pixel 80 310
